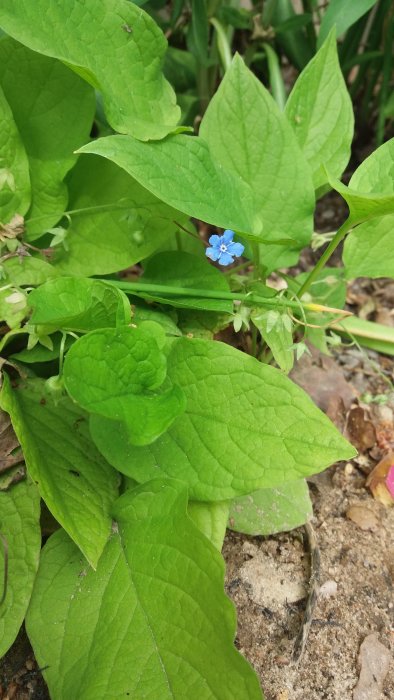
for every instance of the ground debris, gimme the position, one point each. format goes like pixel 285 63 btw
pixel 374 660
pixel 362 516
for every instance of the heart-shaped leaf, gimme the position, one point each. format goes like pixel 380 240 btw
pixel 320 111
pixel 116 222
pixel 53 109
pixel 114 45
pixel 118 374
pixel 152 622
pixel 246 426
pixel 77 304
pixel 268 511
pixel 20 543
pixel 198 186
pixel 249 136
pixel 14 166
pixel 74 480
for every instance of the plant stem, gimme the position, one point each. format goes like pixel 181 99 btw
pixel 276 80
pixel 222 43
pixel 256 259
pixel 191 233
pixel 253 350
pixel 178 240
pixel 238 268
pixel 162 290
pixel 339 236
pixel 84 210
pixel 256 275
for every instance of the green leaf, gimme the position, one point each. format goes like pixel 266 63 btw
pixel 119 222
pixel 112 44
pixel 155 620
pixel 247 134
pixel 293 42
pixel 246 426
pixel 320 111
pixel 198 31
pixel 142 312
pixel 367 333
pixel 14 166
pixel 369 250
pixel 329 288
pixel 268 511
pixel 13 306
pixel 376 173
pixel 198 186
pixel 21 538
pixel 76 483
pixel 53 109
pixel 211 519
pixel 40 353
pixel 178 269
pixel 370 193
pixel 180 69
pixel 114 374
pixel 202 324
pixel 278 335
pixel 78 304
pixel 27 271
pixel 342 14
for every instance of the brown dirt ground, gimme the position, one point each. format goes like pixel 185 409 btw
pixel 356 566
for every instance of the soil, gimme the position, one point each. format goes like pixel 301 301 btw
pixel 356 594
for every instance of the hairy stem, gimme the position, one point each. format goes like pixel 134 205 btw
pixel 339 236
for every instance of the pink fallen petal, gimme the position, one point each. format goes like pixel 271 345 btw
pixel 390 480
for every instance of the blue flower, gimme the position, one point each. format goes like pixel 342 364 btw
pixel 223 250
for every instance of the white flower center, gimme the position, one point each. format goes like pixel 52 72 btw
pixel 223 248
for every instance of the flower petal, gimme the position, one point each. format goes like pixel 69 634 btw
pixel 215 240
pixel 236 249
pixel 228 236
pixel 213 253
pixel 226 259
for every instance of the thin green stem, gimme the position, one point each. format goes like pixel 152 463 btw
pixel 386 77
pixel 276 79
pixel 203 88
pixel 238 268
pixel 256 274
pixel 191 233
pixel 169 291
pixel 256 259
pixel 250 299
pixel 339 236
pixel 84 210
pixel 253 350
pixel 222 43
pixel 178 240
pixel 61 352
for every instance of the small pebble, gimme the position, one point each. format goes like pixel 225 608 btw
pixel 328 589
pixel 282 661
pixel 363 517
pixel 250 548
